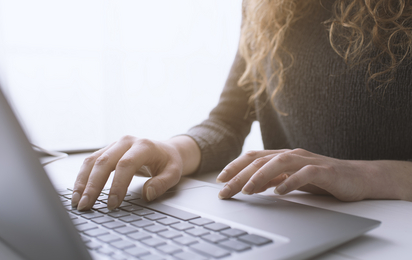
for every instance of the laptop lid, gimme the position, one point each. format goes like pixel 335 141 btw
pixel 33 222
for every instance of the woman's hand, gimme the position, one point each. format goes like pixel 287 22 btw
pixel 290 170
pixel 126 157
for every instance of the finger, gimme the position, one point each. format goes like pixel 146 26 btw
pixel 273 183
pixel 131 161
pixel 310 174
pixel 102 168
pixel 314 190
pixel 239 180
pixel 84 173
pixel 237 165
pixel 285 162
pixel 159 184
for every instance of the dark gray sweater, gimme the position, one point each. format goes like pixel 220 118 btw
pixel 329 109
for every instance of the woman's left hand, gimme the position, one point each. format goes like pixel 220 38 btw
pixel 290 170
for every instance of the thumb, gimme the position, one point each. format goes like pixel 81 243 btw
pixel 159 184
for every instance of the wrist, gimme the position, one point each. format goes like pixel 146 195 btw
pixel 387 179
pixel 188 151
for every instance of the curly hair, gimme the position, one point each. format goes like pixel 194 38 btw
pixel 360 31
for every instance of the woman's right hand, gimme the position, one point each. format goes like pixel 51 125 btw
pixel 126 157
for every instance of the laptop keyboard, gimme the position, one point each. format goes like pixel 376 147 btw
pixel 138 231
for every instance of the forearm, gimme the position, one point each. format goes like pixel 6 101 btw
pixel 389 180
pixel 189 151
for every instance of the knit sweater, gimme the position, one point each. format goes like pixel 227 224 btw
pixel 329 109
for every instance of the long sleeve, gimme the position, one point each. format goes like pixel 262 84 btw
pixel 222 135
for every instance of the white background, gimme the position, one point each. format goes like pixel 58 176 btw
pixel 83 73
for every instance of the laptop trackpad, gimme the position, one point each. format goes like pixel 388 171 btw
pixel 205 199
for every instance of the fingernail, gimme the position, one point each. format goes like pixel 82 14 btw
pixel 221 176
pixel 83 202
pixel 75 198
pixel 151 194
pixel 112 202
pixel 249 187
pixel 225 192
pixel 280 189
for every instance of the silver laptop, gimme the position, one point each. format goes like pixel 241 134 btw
pixel 188 222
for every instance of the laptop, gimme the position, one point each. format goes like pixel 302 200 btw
pixel 188 222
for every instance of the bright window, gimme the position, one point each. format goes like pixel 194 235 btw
pixel 83 73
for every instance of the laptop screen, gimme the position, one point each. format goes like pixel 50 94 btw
pixel 33 222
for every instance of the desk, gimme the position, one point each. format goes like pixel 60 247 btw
pixel 392 240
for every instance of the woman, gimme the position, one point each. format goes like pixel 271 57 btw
pixel 329 82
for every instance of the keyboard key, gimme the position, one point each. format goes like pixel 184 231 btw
pixel 130 218
pixel 72 216
pixel 201 221
pixel 210 250
pixel 102 220
pixel 99 206
pixel 233 232
pixel 143 212
pixel 124 204
pixel 132 208
pixel 139 235
pixel 115 224
pixel 93 245
pixel 186 240
pixel 155 228
pixel 68 207
pixel 126 230
pixel 78 221
pixel 151 257
pixel 171 211
pixel 96 232
pixel 109 238
pixel 182 226
pixel 255 240
pixel 216 226
pixel 235 245
pixel 153 242
pixel 119 256
pixel 155 216
pixel 197 232
pixel 169 249
pixel 84 227
pixel 142 223
pixel 137 251
pixel 118 213
pixel 169 234
pixel 75 211
pixel 105 251
pixel 189 256
pixel 103 197
pixel 67 203
pixel 215 238
pixel 168 221
pixel 92 215
pixel 104 210
pixel 122 244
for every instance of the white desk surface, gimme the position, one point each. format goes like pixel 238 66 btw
pixel 392 240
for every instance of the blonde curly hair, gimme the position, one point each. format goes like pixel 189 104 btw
pixel 360 31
